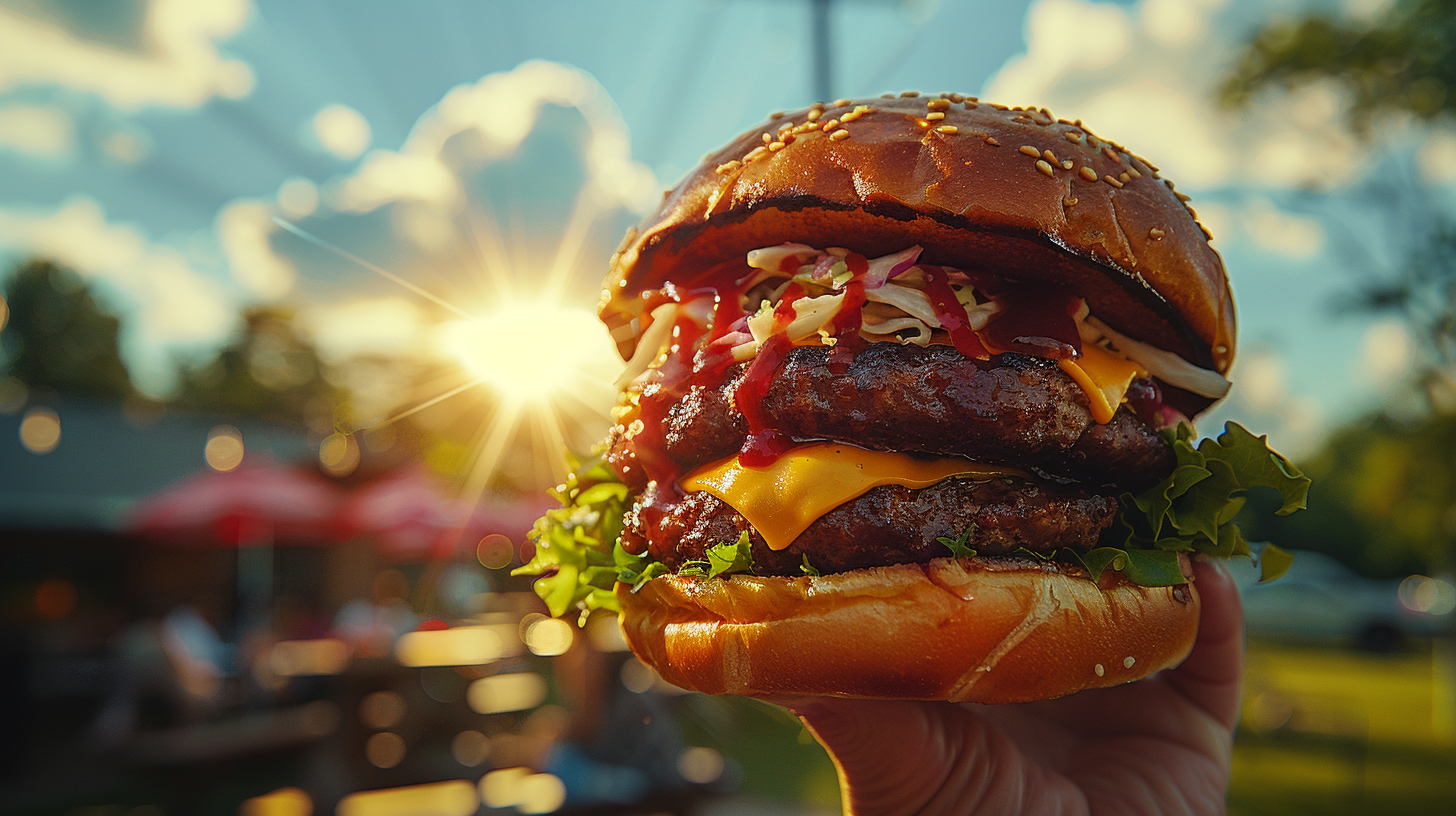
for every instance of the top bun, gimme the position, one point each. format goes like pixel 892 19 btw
pixel 1082 212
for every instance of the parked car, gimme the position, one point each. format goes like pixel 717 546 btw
pixel 1322 600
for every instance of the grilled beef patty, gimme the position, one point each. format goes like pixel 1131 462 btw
pixel 1013 410
pixel 889 524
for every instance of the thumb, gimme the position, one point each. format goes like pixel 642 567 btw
pixel 903 757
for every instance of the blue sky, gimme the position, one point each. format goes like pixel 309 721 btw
pixel 150 143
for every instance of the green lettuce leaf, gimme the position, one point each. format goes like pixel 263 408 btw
pixel 959 546
pixel 1192 510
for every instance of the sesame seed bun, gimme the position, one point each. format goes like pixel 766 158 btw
pixel 966 631
pixel 1012 191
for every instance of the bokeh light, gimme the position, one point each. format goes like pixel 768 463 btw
pixel 549 637
pixel 495 551
pixel 525 791
pixel 605 633
pixel 470 748
pixel 700 765
pixel 385 749
pixel 339 454
pixel 224 449
pixel 281 802
pixel 506 692
pixel 40 431
pixel 460 646
pixel 323 656
pixel 1432 596
pixel 637 677
pixel 342 131
pixel 454 798
pixel 382 709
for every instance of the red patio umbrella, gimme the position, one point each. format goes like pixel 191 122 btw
pixel 260 501
pixel 409 515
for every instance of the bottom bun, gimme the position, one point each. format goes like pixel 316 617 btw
pixel 975 631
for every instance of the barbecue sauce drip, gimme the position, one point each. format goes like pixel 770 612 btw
pixel 764 444
pixel 845 326
pixel 950 313
pixel 1036 320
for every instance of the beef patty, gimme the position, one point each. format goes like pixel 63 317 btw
pixel 1013 410
pixel 889 524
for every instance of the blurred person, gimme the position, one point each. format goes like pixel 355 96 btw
pixel 1159 745
pixel 372 625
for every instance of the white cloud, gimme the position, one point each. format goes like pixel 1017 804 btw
pixel 37 131
pixel 1278 231
pixel 245 228
pixel 1387 353
pixel 1149 75
pixel 167 301
pixel 374 326
pixel 501 110
pixel 342 131
pixel 180 67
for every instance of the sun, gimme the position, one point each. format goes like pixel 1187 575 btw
pixel 533 352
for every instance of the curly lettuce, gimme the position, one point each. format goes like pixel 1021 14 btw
pixel 580 559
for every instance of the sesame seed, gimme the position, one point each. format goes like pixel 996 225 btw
pixel 971 105
pixel 808 126
pixel 727 167
pixel 957 98
pixel 1029 150
pixel 934 116
pixel 776 115
pixel 938 104
pixel 1114 182
pixel 756 153
pixel 1127 662
pixel 839 135
pixel 841 103
pixel 1221 349
pixel 1124 177
pixel 863 109
pixel 1049 156
pixel 1111 154
pixel 1068 164
pixel 1192 212
pixel 1155 233
pixel 1098 669
pixel 1088 173
pixel 1181 196
pixel 887 96
pixel 1206 233
pixel 1132 171
pixel 947 129
pixel 909 94
pixel 1045 168
pixel 1025 120
pixel 815 114
pixel 999 107
pixel 991 140
pixel 850 117
pixel 1069 201
pixel 774 147
pixel 1072 135
pixel 767 138
pixel 830 125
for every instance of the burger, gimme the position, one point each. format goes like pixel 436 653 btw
pixel 906 414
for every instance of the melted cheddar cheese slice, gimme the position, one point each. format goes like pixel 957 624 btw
pixel 1104 376
pixel 784 498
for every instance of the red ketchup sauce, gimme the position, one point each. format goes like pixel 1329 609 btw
pixel 845 326
pixel 950 312
pixel 765 444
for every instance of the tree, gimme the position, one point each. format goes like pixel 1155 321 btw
pixel 59 337
pixel 1403 60
pixel 267 371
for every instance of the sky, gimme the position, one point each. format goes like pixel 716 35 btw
pixel 489 153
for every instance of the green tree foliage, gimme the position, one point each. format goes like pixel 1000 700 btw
pixel 267 371
pixel 59 337
pixel 1383 500
pixel 1403 60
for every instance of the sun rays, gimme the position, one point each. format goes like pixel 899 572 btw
pixel 544 365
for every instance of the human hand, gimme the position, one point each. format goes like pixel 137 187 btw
pixel 1161 745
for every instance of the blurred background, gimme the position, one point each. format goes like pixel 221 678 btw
pixel 298 329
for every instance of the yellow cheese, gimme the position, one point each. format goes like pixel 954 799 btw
pixel 1104 376
pixel 783 499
